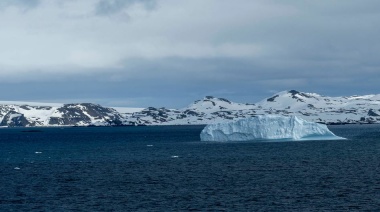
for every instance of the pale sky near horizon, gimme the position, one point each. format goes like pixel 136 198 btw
pixel 141 53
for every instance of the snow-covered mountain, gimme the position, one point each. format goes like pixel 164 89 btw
pixel 84 114
pixel 324 109
pixel 309 106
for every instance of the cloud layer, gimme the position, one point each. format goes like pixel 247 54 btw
pixel 168 52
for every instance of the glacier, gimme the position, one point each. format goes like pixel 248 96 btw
pixel 267 128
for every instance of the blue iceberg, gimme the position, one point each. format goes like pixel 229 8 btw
pixel 268 128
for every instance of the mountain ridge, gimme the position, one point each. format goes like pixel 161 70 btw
pixel 309 106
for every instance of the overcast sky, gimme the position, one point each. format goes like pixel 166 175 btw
pixel 172 52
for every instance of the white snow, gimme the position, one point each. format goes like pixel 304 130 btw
pixel 267 127
pixel 40 115
pixel 128 109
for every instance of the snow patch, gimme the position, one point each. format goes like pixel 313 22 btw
pixel 127 109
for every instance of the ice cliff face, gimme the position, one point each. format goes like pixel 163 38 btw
pixel 267 127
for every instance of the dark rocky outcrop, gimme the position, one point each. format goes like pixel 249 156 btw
pixel 272 98
pixel 74 114
pixel 14 119
pixel 372 113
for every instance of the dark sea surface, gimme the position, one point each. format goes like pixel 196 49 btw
pixel 169 169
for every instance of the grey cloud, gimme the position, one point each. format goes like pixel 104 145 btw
pixel 241 80
pixel 176 82
pixel 24 4
pixel 109 7
pixel 172 57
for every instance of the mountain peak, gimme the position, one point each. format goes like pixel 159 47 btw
pixel 294 92
pixel 212 99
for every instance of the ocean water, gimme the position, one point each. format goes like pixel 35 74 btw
pixel 169 169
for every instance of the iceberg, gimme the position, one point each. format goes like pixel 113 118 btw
pixel 268 128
